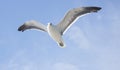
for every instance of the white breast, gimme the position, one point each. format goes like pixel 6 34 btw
pixel 54 33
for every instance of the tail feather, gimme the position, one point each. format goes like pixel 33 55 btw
pixel 61 44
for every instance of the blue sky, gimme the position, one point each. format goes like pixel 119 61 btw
pixel 92 43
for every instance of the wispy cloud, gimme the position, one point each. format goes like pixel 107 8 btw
pixel 78 37
pixel 64 66
pixel 19 62
pixel 108 58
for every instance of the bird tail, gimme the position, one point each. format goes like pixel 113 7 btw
pixel 61 44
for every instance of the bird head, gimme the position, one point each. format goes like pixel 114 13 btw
pixel 50 24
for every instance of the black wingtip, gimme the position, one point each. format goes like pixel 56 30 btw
pixel 95 9
pixel 21 28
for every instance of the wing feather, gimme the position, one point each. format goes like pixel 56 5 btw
pixel 73 15
pixel 32 25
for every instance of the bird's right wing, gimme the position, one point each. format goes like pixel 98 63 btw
pixel 32 25
pixel 72 15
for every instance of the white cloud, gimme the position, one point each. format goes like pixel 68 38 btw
pixel 64 66
pixel 108 59
pixel 78 37
pixel 20 61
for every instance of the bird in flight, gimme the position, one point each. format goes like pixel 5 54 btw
pixel 56 31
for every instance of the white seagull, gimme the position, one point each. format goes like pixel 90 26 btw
pixel 56 31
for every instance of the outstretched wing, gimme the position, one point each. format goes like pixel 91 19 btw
pixel 32 25
pixel 72 15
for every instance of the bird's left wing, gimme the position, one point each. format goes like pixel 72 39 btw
pixel 32 25
pixel 72 15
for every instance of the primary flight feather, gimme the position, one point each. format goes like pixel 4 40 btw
pixel 56 31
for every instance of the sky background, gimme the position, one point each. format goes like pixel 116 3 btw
pixel 92 43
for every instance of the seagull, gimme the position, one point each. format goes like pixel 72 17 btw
pixel 56 31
